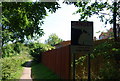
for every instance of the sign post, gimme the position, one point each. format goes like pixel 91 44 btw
pixel 81 40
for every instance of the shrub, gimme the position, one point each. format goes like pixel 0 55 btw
pixel 36 49
pixel 107 54
pixel 11 66
pixel 18 47
pixel 10 50
pixel 109 71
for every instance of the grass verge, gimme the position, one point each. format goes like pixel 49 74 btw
pixel 12 66
pixel 18 73
pixel 39 71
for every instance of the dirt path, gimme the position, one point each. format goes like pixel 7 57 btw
pixel 26 72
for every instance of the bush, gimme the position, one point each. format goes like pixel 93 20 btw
pixel 36 49
pixel 18 47
pixel 11 66
pixel 109 71
pixel 10 50
pixel 110 51
pixel 106 53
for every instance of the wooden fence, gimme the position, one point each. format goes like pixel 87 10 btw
pixel 59 61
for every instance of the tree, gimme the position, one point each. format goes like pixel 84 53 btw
pixel 53 39
pixel 107 10
pixel 22 20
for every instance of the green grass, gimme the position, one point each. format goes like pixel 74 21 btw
pixel 39 71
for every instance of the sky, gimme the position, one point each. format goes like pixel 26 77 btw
pixel 60 23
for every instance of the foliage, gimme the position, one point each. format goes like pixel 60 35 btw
pixel 107 49
pixel 103 9
pixel 80 60
pixel 53 39
pixel 36 49
pixel 23 19
pixel 10 50
pixel 11 66
pixel 110 51
pixel 109 71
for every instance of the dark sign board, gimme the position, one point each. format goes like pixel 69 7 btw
pixel 81 33
pixel 78 49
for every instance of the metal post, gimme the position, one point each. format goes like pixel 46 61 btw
pixel 74 72
pixel 89 74
pixel 114 21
